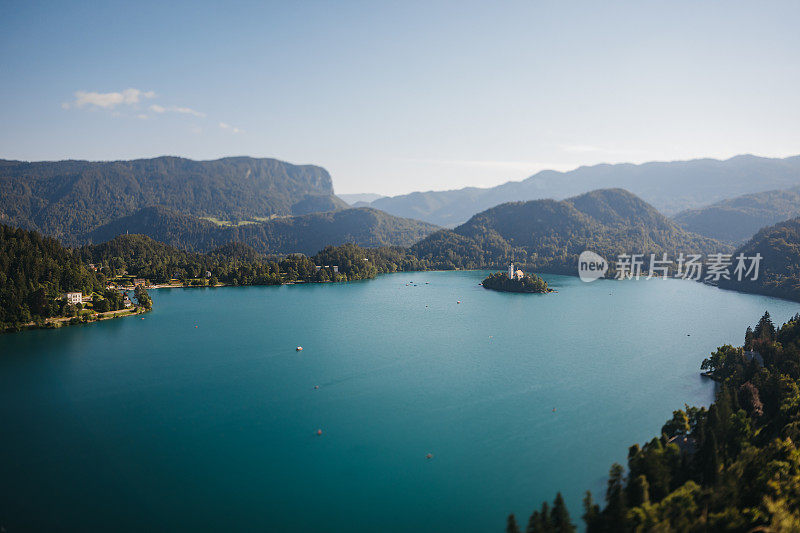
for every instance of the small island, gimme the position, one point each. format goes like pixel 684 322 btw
pixel 516 281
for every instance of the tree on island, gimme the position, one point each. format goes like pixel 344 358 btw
pixel 532 283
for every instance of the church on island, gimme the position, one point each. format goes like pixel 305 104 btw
pixel 514 274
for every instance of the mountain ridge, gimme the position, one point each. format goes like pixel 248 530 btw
pixel 548 235
pixel 738 219
pixel 69 198
pixel 686 186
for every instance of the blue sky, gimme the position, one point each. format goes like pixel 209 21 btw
pixel 393 97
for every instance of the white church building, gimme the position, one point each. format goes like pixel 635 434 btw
pixel 514 274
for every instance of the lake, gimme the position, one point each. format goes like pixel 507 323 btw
pixel 203 416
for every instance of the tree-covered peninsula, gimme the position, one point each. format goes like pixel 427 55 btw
pixel 37 273
pixel 530 283
pixel 732 467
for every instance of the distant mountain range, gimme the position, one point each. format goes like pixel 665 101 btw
pixel 670 186
pixel 278 207
pixel 360 198
pixel 305 234
pixel 548 235
pixel 738 219
pixel 67 199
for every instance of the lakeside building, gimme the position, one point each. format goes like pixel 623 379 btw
pixel 139 281
pixel 74 297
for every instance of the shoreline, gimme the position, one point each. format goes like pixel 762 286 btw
pixel 482 269
pixel 62 322
pixel 58 322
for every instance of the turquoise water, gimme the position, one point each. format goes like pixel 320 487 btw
pixel 157 424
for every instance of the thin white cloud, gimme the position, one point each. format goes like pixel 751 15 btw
pixel 155 108
pixel 93 99
pixel 228 127
pixel 188 111
pixel 114 102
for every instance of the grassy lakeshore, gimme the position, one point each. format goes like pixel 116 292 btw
pixel 85 317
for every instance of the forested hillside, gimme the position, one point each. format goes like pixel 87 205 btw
pixel 669 186
pixel 779 272
pixel 738 219
pixel 67 199
pixel 34 272
pixel 548 235
pixel 304 234
pixel 239 264
pixel 732 467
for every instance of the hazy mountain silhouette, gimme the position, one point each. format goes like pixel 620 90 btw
pixel 671 187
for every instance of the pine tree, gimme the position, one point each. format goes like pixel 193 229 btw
pixel 765 329
pixel 748 338
pixel 591 514
pixel 616 510
pixel 511 525
pixel 547 525
pixel 541 521
pixel 560 516
pixel 638 491
pixel 534 523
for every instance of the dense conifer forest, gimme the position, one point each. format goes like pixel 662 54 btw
pixel 34 272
